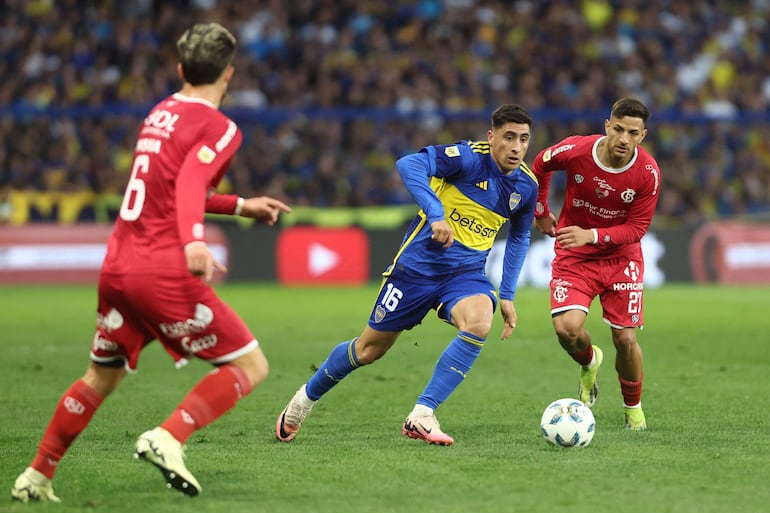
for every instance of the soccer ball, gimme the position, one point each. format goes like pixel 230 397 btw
pixel 568 423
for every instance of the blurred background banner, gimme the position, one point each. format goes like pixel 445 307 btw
pixel 721 253
pixel 53 253
pixel 731 252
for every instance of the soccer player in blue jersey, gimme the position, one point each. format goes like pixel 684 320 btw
pixel 466 191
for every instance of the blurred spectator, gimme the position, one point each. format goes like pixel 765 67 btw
pixel 331 92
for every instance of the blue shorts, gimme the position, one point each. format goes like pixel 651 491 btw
pixel 404 301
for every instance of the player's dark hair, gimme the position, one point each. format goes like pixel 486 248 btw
pixel 510 113
pixel 205 50
pixel 630 107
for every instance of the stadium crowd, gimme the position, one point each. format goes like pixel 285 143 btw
pixel 329 93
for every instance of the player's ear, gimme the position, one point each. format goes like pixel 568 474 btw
pixel 179 71
pixel 229 71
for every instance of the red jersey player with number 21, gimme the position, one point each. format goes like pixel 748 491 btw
pixel 612 189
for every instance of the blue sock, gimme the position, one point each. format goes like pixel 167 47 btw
pixel 451 368
pixel 340 362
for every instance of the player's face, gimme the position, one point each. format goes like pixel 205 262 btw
pixel 623 136
pixel 508 145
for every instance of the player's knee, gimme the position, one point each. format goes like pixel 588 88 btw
pixel 568 333
pixel 625 343
pixel 479 328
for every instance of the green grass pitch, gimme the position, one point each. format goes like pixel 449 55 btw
pixel 706 400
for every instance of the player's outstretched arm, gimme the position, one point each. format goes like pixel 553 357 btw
pixel 264 209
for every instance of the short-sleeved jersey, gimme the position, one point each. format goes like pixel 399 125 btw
pixel 476 199
pixel 183 149
pixel 618 203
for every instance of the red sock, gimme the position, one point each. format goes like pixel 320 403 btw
pixel 585 356
pixel 631 390
pixel 74 411
pixel 213 396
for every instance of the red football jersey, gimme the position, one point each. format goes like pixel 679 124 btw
pixel 184 147
pixel 618 203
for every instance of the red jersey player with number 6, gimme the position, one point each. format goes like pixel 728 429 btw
pixel 612 190
pixel 153 280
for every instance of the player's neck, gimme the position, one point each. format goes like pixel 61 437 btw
pixel 604 156
pixel 210 92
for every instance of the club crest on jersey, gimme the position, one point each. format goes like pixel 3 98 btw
pixel 452 151
pixel 514 200
pixel 206 155
pixel 628 195
pixel 579 178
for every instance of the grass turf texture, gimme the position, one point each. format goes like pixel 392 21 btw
pixel 705 399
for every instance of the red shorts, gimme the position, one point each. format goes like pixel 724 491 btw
pixel 181 311
pixel 618 281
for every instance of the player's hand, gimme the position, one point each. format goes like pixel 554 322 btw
pixel 442 233
pixel 509 317
pixel 200 261
pixel 574 237
pixel 546 225
pixel 264 209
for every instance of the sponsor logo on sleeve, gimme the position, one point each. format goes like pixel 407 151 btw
pixel 452 151
pixel 552 152
pixel 206 155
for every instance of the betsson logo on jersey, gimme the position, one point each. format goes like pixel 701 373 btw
pixel 473 225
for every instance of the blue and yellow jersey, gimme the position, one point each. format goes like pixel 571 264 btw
pixel 462 184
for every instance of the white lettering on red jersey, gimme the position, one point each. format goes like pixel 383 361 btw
pixel 183 150
pixel 619 203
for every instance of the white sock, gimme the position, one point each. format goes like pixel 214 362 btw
pixel 420 410
pixel 304 399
